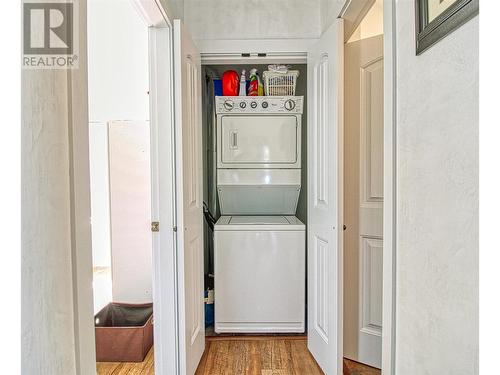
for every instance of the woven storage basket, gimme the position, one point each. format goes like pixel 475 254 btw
pixel 280 84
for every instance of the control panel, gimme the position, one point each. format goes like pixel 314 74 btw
pixel 259 104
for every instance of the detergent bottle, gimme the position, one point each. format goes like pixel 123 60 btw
pixel 243 84
pixel 253 89
pixel 261 86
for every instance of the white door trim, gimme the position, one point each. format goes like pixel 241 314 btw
pixel 163 202
pixel 163 210
pixel 81 239
pixel 390 208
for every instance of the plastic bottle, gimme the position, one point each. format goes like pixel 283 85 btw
pixel 253 89
pixel 243 84
pixel 260 90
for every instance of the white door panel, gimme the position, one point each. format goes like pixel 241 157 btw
pixel 324 199
pixel 189 199
pixel 363 201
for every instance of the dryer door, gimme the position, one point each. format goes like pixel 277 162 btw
pixel 258 141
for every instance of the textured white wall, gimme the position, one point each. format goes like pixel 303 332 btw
pixel 252 19
pixel 56 339
pixel 46 238
pixel 118 45
pixel 437 199
pixel 329 11
pixel 99 187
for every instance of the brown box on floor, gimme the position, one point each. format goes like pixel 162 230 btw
pixel 124 332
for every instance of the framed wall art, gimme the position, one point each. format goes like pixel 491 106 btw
pixel 435 19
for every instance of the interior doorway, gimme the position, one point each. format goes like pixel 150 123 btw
pixel 168 353
pixel 120 176
pixel 363 187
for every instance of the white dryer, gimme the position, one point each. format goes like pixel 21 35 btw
pixel 259 243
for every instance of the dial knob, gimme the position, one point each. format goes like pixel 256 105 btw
pixel 243 105
pixel 265 104
pixel 289 104
pixel 253 104
pixel 228 105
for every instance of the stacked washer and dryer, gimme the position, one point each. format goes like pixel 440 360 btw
pixel 259 244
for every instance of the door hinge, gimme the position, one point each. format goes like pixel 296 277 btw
pixel 155 226
pixel 175 228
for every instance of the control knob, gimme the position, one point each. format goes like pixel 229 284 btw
pixel 228 105
pixel 253 104
pixel 243 105
pixel 265 104
pixel 289 104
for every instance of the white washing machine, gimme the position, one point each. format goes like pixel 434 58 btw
pixel 259 243
pixel 259 274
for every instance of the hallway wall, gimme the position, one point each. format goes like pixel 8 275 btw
pixel 437 201
pixel 57 335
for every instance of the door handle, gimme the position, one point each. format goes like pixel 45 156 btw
pixel 234 140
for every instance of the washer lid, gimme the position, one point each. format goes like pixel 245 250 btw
pixel 282 223
pixel 260 220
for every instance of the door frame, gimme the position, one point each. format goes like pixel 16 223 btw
pixel 163 185
pixel 164 242
pixel 354 11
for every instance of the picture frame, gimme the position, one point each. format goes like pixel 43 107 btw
pixel 434 19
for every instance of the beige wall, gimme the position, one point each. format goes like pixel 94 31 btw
pixel 372 24
pixel 437 201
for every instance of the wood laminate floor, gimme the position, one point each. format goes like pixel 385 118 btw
pixel 247 355
pixel 242 355
pixel 355 368
pixel 128 368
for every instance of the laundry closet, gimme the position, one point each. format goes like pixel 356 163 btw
pixel 257 178
pixel 254 198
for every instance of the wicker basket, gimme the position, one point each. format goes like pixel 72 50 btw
pixel 280 84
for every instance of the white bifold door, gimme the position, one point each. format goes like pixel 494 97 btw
pixel 363 186
pixel 324 137
pixel 188 148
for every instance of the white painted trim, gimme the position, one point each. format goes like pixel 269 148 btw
pixel 237 58
pixel 390 213
pixel 79 178
pixel 151 12
pixel 163 201
pixel 353 12
pixel 340 196
pixel 255 46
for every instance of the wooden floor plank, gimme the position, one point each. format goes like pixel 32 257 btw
pixel 254 366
